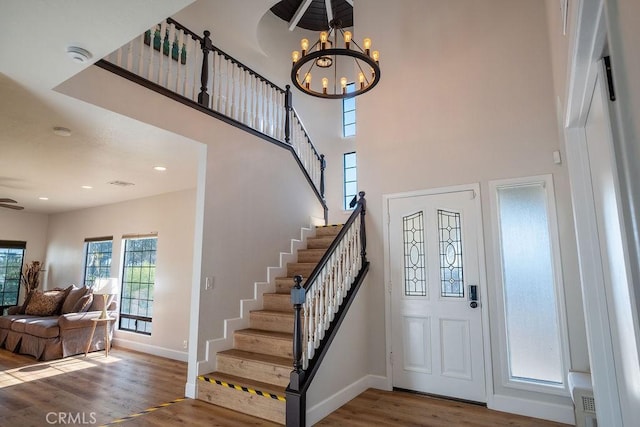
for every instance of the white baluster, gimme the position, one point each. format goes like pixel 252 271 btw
pixel 179 67
pixel 237 71
pixel 130 56
pixel 141 50
pixel 163 39
pixel 152 52
pixel 172 42
pixel 215 77
pixel 230 69
pixel 249 105
pixel 305 334
pixel 197 67
pixel 186 46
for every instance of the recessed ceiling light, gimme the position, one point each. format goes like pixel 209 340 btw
pixel 62 131
pixel 87 187
pixel 159 168
pixel 121 183
pixel 43 198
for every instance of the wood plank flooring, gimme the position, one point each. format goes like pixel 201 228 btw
pixel 104 390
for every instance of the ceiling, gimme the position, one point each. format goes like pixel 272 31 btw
pixel 103 146
pixel 314 15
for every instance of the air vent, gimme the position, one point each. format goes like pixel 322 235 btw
pixel 588 404
pixel 121 183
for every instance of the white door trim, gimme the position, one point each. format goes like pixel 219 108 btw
pixel 587 46
pixel 482 273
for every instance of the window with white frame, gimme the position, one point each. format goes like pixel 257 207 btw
pixel 349 113
pixel 350 179
pixel 97 259
pixel 534 341
pixel 138 283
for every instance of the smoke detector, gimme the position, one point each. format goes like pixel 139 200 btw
pixel 79 54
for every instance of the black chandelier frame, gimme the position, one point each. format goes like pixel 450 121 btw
pixel 311 56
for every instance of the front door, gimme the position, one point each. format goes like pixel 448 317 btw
pixel 436 322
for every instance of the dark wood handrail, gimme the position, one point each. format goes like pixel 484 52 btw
pixel 301 379
pixel 358 213
pixel 203 104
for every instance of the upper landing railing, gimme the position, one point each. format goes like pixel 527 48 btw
pixel 178 63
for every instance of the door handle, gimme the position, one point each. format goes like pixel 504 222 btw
pixel 473 296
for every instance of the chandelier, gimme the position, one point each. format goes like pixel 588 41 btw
pixel 326 70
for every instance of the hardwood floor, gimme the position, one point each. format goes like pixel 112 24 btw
pixel 102 391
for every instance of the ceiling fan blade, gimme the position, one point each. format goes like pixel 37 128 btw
pixel 15 207
pixel 7 201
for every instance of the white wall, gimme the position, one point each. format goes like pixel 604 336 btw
pixel 27 227
pixel 256 198
pixel 466 96
pixel 172 216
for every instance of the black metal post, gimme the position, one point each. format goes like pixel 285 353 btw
pixel 207 46
pixel 363 234
pixel 296 401
pixel 288 106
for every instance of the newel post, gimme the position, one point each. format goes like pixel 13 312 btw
pixel 363 234
pixel 296 401
pixel 288 106
pixel 207 46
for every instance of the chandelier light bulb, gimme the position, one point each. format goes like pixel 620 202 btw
pixel 367 45
pixel 343 84
pixel 361 79
pixel 307 80
pixel 304 44
pixel 347 38
pixel 376 55
pixel 295 56
pixel 325 85
pixel 324 36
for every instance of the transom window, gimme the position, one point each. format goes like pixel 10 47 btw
pixel 350 179
pixel 138 282
pixel 11 258
pixel 97 259
pixel 349 113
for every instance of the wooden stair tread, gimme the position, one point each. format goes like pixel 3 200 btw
pixel 274 313
pixel 328 230
pixel 245 382
pixel 270 334
pixel 259 357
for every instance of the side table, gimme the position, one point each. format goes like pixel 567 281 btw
pixel 106 334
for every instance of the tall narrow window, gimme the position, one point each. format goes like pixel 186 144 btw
pixel 97 259
pixel 349 113
pixel 138 281
pixel 531 289
pixel 11 258
pixel 350 179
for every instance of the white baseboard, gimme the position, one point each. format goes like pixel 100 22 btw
pixel 330 404
pixel 182 356
pixel 532 408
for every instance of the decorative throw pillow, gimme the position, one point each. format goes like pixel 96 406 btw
pixel 83 303
pixel 70 301
pixel 45 304
pixel 24 305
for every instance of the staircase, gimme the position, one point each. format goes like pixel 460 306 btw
pixel 252 376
